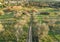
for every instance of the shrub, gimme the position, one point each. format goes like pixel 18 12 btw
pixel 1 13
pixel 1 27
pixel 17 8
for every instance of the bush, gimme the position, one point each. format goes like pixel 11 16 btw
pixel 1 13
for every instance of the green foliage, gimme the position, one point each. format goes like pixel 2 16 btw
pixel 46 27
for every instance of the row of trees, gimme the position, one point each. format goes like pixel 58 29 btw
pixel 15 2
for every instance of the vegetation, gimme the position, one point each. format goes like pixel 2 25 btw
pixel 15 22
